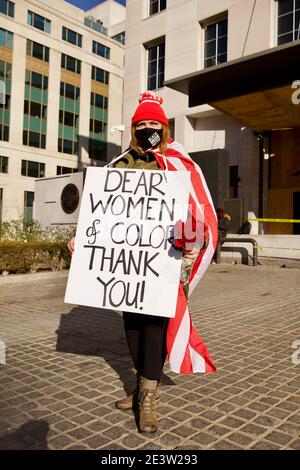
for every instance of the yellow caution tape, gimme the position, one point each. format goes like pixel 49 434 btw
pixel 287 221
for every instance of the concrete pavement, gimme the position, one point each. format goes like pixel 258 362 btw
pixel 66 366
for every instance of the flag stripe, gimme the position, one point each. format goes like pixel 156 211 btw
pixel 186 351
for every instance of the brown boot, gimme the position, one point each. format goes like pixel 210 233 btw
pixel 128 402
pixel 147 405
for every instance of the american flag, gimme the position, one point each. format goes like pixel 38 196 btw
pixel 187 352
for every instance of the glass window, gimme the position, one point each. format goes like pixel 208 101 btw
pixel 26 107
pixel 70 91
pixel 3 164
pixel 29 17
pixel 35 109
pixel 4 133
pixel 68 119
pixel 37 50
pixel 36 80
pixel 101 50
pixel 6 38
pixel 29 198
pixel 99 100
pixel 67 146
pixel 72 37
pixel 11 9
pixel 288 21
pixel 157 6
pixel 100 75
pixel 33 169
pixel 34 141
pixel 70 63
pixel 48 26
pixel 215 51
pixel 7 102
pixel 120 37
pixel 7 8
pixel 43 141
pixel 64 170
pixel 45 83
pixel 285 6
pixel 28 205
pixel 39 22
pixel 98 126
pixel 156 66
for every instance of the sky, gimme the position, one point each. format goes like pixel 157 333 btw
pixel 87 4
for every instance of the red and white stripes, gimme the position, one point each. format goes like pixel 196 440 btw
pixel 186 351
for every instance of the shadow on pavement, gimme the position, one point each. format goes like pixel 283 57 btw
pixel 98 332
pixel 31 435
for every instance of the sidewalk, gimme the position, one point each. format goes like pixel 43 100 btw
pixel 66 366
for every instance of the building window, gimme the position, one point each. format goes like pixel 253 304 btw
pixel 33 169
pixel 157 5
pixel 72 37
pixel 28 205
pixel 7 8
pixel 98 127
pixel 101 50
pixel 6 38
pixel 34 49
pixel 70 63
pixel 120 37
pixel 288 21
pixel 216 43
pixel 156 66
pixel 36 80
pixel 64 170
pixel 3 164
pixel 234 181
pixel 68 118
pixel 38 21
pixel 5 78
pixel 100 75
pixel 99 101
pixel 35 110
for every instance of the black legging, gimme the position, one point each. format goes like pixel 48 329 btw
pixel 146 338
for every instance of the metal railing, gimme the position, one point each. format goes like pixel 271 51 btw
pixel 238 240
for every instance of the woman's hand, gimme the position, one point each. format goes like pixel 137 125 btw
pixel 191 254
pixel 71 245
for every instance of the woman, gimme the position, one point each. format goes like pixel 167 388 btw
pixel 151 338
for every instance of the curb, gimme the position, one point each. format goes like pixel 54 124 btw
pixel 31 277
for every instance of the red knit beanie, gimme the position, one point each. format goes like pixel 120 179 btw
pixel 150 109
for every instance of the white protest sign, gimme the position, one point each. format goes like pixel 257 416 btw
pixel 123 259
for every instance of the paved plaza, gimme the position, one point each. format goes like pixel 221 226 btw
pixel 67 365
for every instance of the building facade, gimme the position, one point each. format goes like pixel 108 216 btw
pixel 167 40
pixel 61 91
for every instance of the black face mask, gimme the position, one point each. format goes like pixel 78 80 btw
pixel 148 137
